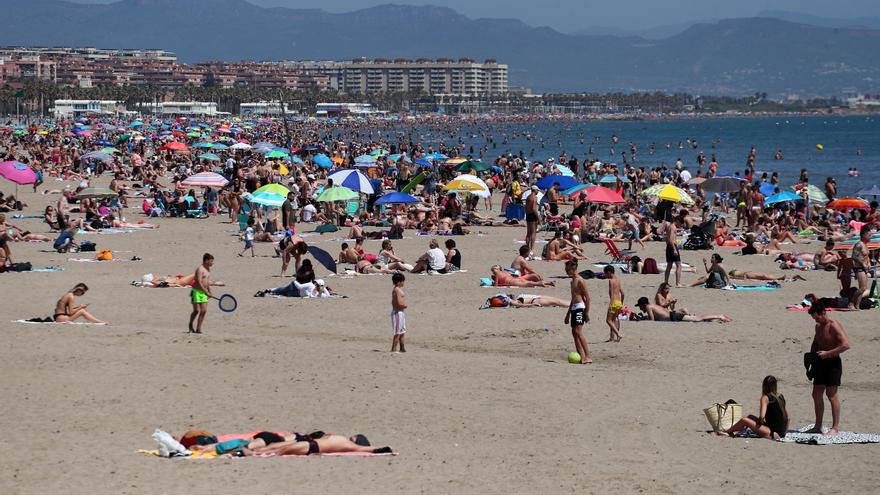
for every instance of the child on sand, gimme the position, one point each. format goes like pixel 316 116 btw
pixel 248 236
pixel 200 293
pixel 615 294
pixel 398 318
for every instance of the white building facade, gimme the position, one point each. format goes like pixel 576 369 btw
pixel 80 108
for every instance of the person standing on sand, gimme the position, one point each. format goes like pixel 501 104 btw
pixel 615 303
pixel 673 255
pixel 578 311
pixel 398 317
pixel 201 292
pixel 532 219
pixel 829 342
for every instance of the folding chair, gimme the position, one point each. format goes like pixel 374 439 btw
pixel 616 255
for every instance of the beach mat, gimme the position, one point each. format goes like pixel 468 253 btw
pixel 41 270
pixel 844 438
pixel 746 287
pixel 213 455
pixel 57 322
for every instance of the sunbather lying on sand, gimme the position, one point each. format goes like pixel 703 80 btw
pixel 266 442
pixel 504 279
pixel 523 301
pixel 657 313
pixel 744 275
pixel 153 280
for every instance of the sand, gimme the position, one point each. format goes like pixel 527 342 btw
pixel 483 402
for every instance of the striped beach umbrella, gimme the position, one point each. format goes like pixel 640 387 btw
pixel 205 179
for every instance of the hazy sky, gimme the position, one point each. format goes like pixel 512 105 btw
pixel 627 15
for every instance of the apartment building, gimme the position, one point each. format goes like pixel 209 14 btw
pixel 442 76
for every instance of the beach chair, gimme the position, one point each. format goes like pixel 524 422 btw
pixel 612 250
pixel 242 221
pixel 352 208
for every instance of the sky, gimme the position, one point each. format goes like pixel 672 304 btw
pixel 618 15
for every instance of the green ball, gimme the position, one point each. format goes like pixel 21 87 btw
pixel 574 358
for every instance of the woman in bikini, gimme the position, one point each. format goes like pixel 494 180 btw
pixel 504 279
pixel 66 312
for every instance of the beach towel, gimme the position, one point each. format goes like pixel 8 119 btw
pixel 93 260
pixel 748 287
pixel 57 322
pixel 845 437
pixel 109 231
pixel 36 270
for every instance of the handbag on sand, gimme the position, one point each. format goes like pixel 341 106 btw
pixel 722 416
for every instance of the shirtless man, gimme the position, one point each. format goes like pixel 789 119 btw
pixel 829 342
pixel 66 312
pixel 578 311
pixel 200 293
pixel 657 313
pixel 673 256
pixel 558 249
pixel 615 303
pixel 519 264
pixel 553 199
pixel 348 254
pixel 532 219
pixel 295 247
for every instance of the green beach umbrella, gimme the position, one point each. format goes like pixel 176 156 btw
pixel 475 165
pixel 210 157
pixel 273 189
pixel 338 193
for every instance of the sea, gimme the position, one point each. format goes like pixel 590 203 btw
pixel 846 142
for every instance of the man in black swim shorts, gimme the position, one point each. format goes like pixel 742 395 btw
pixel 829 342
pixel 532 218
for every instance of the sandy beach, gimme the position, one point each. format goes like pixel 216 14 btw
pixel 483 402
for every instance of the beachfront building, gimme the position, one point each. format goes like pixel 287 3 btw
pixel 81 108
pixel 264 108
pixel 442 76
pixel 344 109
pixel 19 68
pixel 186 108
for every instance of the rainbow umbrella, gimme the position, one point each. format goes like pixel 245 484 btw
pixel 812 192
pixel 874 243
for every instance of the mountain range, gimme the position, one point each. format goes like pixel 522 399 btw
pixel 731 56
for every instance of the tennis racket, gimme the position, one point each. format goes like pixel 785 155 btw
pixel 227 303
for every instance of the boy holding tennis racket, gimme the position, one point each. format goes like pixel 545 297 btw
pixel 201 292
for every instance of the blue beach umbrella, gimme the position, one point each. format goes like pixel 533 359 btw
pixel 352 179
pixel 611 178
pixel 323 161
pixel 767 189
pixel 564 182
pixel 396 198
pixel 783 197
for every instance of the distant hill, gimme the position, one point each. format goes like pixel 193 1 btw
pixel 734 56
pixel 833 22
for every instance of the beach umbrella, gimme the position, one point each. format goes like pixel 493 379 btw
pixel 722 184
pixel 263 146
pixel 98 155
pixel 379 152
pixel 219 147
pixel 848 204
pixel 474 165
pixel 436 156
pixel 783 197
pixel 203 144
pixel 603 195
pixel 352 179
pixel 278 189
pixel 136 123
pixel 576 189
pixel 696 181
pixel 240 146
pixel 276 154
pixel 311 148
pixel 455 161
pixel 17 172
pixel 421 162
pixel 96 192
pixel 564 170
pixel 396 198
pixel 102 142
pixel 205 179
pixel 528 192
pixel 564 182
pixel 873 191
pixel 365 159
pixel 669 192
pixel 395 157
pixel 109 151
pixel 611 179
pixel 468 183
pixel 848 244
pixel 211 157
pixel 322 161
pixel 767 189
pixel 813 193
pixel 337 193
pixel 174 146
pixel 323 257
pixel 266 199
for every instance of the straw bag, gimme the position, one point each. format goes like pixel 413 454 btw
pixel 722 416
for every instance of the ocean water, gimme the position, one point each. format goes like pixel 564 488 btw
pixel 729 139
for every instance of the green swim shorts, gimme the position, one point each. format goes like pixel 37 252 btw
pixel 198 296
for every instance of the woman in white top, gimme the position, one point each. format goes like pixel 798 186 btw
pixel 433 260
